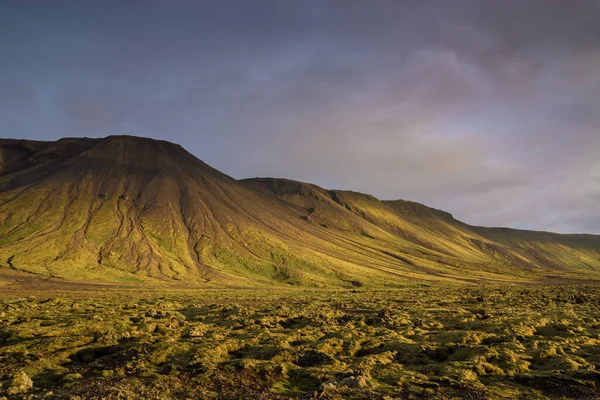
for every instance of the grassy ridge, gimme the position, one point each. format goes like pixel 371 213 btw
pixel 130 210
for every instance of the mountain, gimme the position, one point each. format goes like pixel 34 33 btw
pixel 131 210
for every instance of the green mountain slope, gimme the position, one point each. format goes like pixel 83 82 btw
pixel 133 210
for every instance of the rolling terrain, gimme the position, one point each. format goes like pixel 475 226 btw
pixel 130 210
pixel 415 342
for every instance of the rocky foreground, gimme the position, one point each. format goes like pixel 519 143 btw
pixel 415 342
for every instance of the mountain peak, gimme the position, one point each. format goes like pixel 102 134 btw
pixel 130 209
pixel 139 140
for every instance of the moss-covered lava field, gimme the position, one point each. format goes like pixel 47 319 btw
pixel 417 342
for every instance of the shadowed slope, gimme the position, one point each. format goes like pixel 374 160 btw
pixel 127 209
pixel 432 238
pixel 132 210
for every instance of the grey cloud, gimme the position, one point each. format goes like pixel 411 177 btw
pixel 15 95
pixel 489 109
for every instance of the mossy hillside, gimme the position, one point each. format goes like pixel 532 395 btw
pixel 434 237
pixel 134 210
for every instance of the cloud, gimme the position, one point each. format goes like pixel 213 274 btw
pixel 488 109
pixel 16 96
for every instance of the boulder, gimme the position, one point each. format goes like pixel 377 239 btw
pixel 20 384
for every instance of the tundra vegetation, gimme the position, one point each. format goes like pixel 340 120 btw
pixel 131 210
pixel 418 341
pixel 131 269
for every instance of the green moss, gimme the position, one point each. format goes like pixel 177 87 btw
pixel 293 343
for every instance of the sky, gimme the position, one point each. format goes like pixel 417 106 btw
pixel 487 109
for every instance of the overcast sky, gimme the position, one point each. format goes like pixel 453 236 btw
pixel 488 109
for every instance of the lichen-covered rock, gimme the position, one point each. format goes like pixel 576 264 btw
pixel 20 383
pixel 72 377
pixel 329 385
pixel 197 331
pixel 356 381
